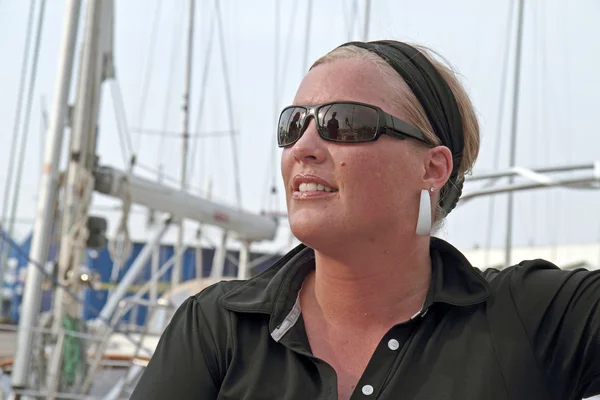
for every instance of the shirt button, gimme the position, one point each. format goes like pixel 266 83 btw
pixel 393 344
pixel 367 390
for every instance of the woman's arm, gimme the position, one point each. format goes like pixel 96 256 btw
pixel 184 364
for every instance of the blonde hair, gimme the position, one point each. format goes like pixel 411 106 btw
pixel 412 108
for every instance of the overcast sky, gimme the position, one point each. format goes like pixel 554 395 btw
pixel 560 94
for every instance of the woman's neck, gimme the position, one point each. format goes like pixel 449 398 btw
pixel 375 287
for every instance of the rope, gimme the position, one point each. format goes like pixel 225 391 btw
pixel 79 233
pixel 74 357
pixel 121 248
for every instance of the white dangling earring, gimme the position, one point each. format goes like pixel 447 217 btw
pixel 424 220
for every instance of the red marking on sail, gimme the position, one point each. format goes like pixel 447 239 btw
pixel 220 217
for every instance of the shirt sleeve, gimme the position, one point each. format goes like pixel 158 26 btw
pixel 560 311
pixel 183 365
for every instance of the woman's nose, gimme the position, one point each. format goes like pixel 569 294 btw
pixel 310 148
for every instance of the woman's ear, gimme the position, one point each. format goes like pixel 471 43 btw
pixel 437 167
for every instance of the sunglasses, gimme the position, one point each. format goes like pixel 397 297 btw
pixel 343 122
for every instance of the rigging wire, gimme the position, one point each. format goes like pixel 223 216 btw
pixel 148 69
pixel 513 132
pixel 122 128
pixel 274 198
pixel 154 171
pixel 543 104
pixel 344 8
pixel 307 38
pixel 270 175
pixel 229 101
pixel 367 20
pixel 43 128
pixel 176 183
pixel 534 120
pixel 286 57
pixel 120 246
pixel 549 200
pixel 569 111
pixel 203 88
pixel 349 17
pixel 27 119
pixel 177 135
pixel 353 18
pixel 17 121
pixel 280 76
pixel 174 56
pixel 501 104
pixel 559 112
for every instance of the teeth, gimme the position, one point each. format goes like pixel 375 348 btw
pixel 313 187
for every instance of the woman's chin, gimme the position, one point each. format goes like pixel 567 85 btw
pixel 318 233
pixel 311 230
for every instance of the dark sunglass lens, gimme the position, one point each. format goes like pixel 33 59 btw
pixel 288 129
pixel 348 122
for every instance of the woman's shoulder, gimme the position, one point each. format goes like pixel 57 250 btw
pixel 200 306
pixel 212 291
pixel 208 299
pixel 538 286
pixel 533 274
pixel 558 309
pixel 537 277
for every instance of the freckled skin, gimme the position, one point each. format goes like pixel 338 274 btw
pixel 379 183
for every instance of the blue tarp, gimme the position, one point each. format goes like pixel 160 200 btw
pixel 100 262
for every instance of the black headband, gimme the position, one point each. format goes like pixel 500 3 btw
pixel 436 98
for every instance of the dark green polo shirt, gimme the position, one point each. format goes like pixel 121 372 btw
pixel 529 332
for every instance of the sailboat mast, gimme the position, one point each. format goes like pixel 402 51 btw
pixel 513 135
pixel 40 242
pixel 185 135
pixel 24 143
pixel 4 246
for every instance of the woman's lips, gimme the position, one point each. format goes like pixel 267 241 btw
pixel 309 186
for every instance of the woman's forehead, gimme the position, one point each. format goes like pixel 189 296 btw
pixel 348 80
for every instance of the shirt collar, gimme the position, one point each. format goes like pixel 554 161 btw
pixel 454 281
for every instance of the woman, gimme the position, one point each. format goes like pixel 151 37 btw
pixel 370 306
